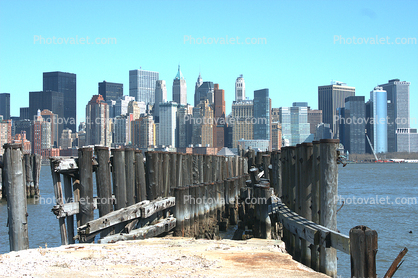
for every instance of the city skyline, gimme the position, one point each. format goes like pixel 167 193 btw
pixel 284 63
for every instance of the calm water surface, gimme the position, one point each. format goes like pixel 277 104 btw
pixel 393 222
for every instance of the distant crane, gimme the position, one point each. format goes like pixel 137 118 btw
pixel 370 143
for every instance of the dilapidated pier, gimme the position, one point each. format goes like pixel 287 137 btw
pixel 288 195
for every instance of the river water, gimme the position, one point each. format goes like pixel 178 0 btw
pixel 358 184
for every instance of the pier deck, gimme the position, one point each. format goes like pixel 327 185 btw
pixel 158 257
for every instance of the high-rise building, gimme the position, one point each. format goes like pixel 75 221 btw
pixel 184 125
pixel 203 125
pixel 5 133
pixel 203 91
pixel 98 128
pixel 352 125
pixel 275 114
pixel 52 101
pixel 146 132
pixel 65 83
pixel 160 96
pixel 168 123
pixel 121 106
pixel 36 138
pixel 397 110
pixel 66 139
pixel 121 131
pixel 52 118
pixel 330 98
pixel 262 115
pixel 219 118
pixel 24 113
pixel 179 88
pixel 377 126
pixel 142 85
pixel 240 89
pixel 314 119
pixel 295 126
pixel 5 105
pixel 110 91
pixel 276 137
pixel 243 128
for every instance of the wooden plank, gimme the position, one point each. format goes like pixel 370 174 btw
pixel 72 208
pixel 143 209
pixel 308 230
pixel 162 226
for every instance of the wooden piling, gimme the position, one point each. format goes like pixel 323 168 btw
pixel 266 163
pixel 140 182
pixel 315 200
pixel 173 171
pixel 306 178
pixel 36 170
pixel 328 208
pixel 152 175
pixel 363 249
pixel 16 197
pixel 85 166
pixel 30 187
pixel 130 176
pixel 68 194
pixel 103 184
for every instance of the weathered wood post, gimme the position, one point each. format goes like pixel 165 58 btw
pixel 179 212
pixel 166 175
pixel 140 182
pixel 285 189
pixel 173 171
pixel 328 207
pixel 130 176
pixel 306 178
pixel 298 166
pixel 36 168
pixel 104 184
pixel 16 197
pixel 152 174
pixel 363 249
pixel 264 194
pixel 119 178
pixel 292 194
pixel 315 199
pixel 30 188
pixel 68 194
pixel 85 168
pixel 266 163
pixel 56 179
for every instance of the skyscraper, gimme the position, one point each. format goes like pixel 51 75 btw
pixel 110 91
pixel 330 98
pixel 98 130
pixel 160 96
pixel 184 125
pixel 65 83
pixel 203 91
pixel 179 88
pixel 203 125
pixel 353 123
pixel 52 101
pixel 295 126
pixel 243 128
pixel 240 88
pixel 314 119
pixel 397 110
pixel 219 116
pixel 377 126
pixel 142 85
pixel 5 105
pixel 168 124
pixel 262 115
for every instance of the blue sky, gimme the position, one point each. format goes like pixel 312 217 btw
pixel 298 55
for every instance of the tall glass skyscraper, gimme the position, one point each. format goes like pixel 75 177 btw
pixel 142 85
pixel 179 88
pixel 160 96
pixel 353 125
pixel 5 105
pixel 330 98
pixel 397 110
pixel 262 114
pixel 110 91
pixel 63 82
pixel 295 125
pixel 378 98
